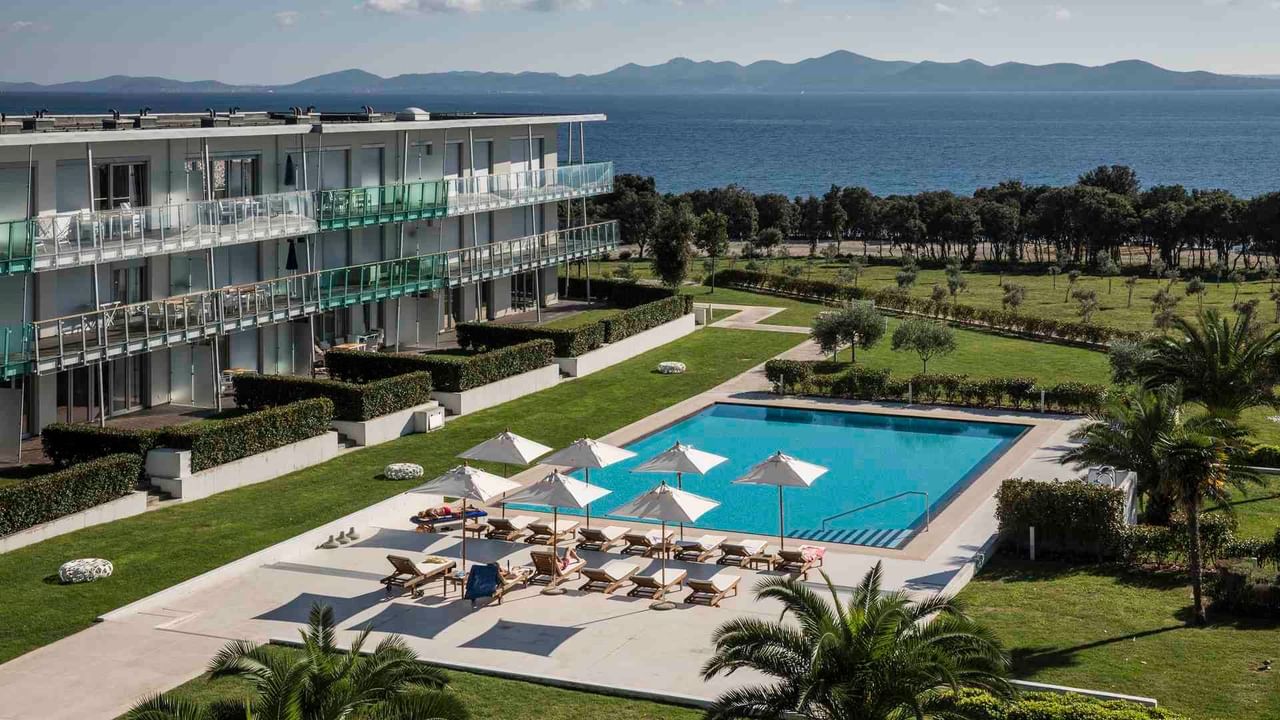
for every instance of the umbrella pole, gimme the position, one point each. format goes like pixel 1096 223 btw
pixel 555 552
pixel 782 543
pixel 663 604
pixel 587 471
pixel 506 473
pixel 680 486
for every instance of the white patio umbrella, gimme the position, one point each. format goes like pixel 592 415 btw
pixel 782 470
pixel 509 449
pixel 681 459
pixel 667 504
pixel 559 491
pixel 587 454
pixel 467 483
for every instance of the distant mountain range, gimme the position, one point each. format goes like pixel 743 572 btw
pixel 836 72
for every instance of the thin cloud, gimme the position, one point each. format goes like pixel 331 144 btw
pixel 422 7
pixel 1061 14
pixel 287 18
pixel 943 8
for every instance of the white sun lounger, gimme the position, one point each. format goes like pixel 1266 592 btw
pixel 700 549
pixel 601 538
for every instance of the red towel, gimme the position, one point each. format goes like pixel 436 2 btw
pixel 812 552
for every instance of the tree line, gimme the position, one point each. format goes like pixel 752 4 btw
pixel 1105 217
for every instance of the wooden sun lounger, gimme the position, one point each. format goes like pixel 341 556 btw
pixel 410 576
pixel 792 561
pixel 511 528
pixel 711 592
pixel 648 543
pixel 601 539
pixel 699 550
pixel 427 523
pixel 613 575
pixel 547 570
pixel 544 533
pixel 655 586
pixel 744 552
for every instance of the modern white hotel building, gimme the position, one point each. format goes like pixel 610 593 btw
pixel 144 258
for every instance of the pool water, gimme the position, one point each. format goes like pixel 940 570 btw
pixel 872 460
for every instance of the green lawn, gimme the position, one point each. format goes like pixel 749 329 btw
pixel 491 698
pixel 1124 632
pixel 578 319
pixel 158 549
pixel 1257 510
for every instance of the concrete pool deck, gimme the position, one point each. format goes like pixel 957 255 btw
pixel 166 639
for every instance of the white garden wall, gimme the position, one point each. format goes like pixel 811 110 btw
pixel 170 470
pixel 614 353
pixel 486 396
pixel 418 419
pixel 135 503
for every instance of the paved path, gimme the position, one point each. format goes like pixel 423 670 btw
pixel 751 317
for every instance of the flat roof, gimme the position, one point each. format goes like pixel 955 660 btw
pixel 53 129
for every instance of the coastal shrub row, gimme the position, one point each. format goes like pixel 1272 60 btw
pixel 459 372
pixel 211 442
pixel 893 299
pixel 979 705
pixel 569 342
pixel 354 402
pixel 858 382
pixel 361 367
pixel 48 497
pixel 650 315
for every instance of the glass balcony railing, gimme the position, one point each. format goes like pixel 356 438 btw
pixel 360 207
pixel 15 247
pixel 120 330
pixel 14 345
pixel 483 193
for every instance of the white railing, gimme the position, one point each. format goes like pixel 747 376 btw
pixel 483 193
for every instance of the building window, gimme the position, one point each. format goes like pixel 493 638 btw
pixel 119 184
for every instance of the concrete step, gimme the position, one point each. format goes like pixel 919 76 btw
pixel 157 499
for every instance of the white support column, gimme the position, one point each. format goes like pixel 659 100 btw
pixel 534 211
pixel 216 381
pixel 404 177
pixel 475 227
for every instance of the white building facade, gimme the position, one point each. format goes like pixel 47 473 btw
pixel 144 259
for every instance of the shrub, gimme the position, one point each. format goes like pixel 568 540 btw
pixel 360 367
pixel 620 293
pixel 69 444
pixel 645 317
pixel 49 497
pixel 1073 519
pixel 458 373
pixel 351 401
pixel 979 705
pixel 1243 588
pixel 217 442
pixel 1265 456
pixel 1167 545
pixel 788 375
pixel 569 342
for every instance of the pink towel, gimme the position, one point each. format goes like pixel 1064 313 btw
pixel 812 552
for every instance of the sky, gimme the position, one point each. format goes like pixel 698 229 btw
pixel 280 41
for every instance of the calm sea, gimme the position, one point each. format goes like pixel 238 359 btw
pixel 891 143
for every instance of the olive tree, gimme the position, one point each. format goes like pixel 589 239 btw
pixel 925 338
pixel 856 324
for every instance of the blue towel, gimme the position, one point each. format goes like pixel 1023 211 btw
pixel 482 582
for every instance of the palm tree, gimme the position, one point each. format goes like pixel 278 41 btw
pixel 320 681
pixel 1124 436
pixel 1201 460
pixel 1228 366
pixel 880 656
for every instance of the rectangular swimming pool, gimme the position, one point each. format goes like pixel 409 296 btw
pixel 881 467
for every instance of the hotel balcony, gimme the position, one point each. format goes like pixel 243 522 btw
pixel 48 346
pixel 85 237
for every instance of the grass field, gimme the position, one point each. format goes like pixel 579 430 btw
pixel 158 549
pixel 490 698
pixel 1257 509
pixel 1109 629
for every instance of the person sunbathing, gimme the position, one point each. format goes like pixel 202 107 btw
pixel 570 558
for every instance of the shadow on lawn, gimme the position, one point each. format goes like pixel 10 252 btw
pixel 1027 661
pixel 1004 568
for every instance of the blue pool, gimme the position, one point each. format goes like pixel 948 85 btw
pixel 870 457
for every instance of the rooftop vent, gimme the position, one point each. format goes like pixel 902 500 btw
pixel 413 113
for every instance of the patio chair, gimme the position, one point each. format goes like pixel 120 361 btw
pixel 711 591
pixel 608 578
pixel 743 552
pixel 410 577
pixel 799 561
pixel 547 570
pixel 488 581
pixel 601 539
pixel 699 550
pixel 647 544
pixel 545 533
pixel 655 586
pixel 510 528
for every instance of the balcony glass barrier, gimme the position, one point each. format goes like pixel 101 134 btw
pixel 119 330
pixel 15 247
pixel 483 193
pixel 359 207
pixel 14 344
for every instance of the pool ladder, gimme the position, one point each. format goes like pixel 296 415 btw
pixel 827 520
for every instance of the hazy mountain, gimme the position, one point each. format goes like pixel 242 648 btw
pixel 840 71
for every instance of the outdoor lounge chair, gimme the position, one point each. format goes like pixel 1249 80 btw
pixel 711 592
pixel 509 528
pixel 613 575
pixel 647 543
pixel 699 550
pixel 411 577
pixel 545 533
pixel 656 585
pixel 743 552
pixel 799 561
pixel 487 581
pixel 547 570
pixel 601 539
pixel 429 521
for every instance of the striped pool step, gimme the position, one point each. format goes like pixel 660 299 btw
pixel 889 539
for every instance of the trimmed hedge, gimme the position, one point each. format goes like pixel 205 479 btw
pixel 646 317
pixel 569 342
pixel 57 494
pixel 1241 587
pixel 1265 456
pixel 619 293
pixel 361 367
pixel 1072 519
pixel 211 442
pixel 458 373
pixel 979 705
pixel 351 401
pixel 901 301
pixel 857 382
